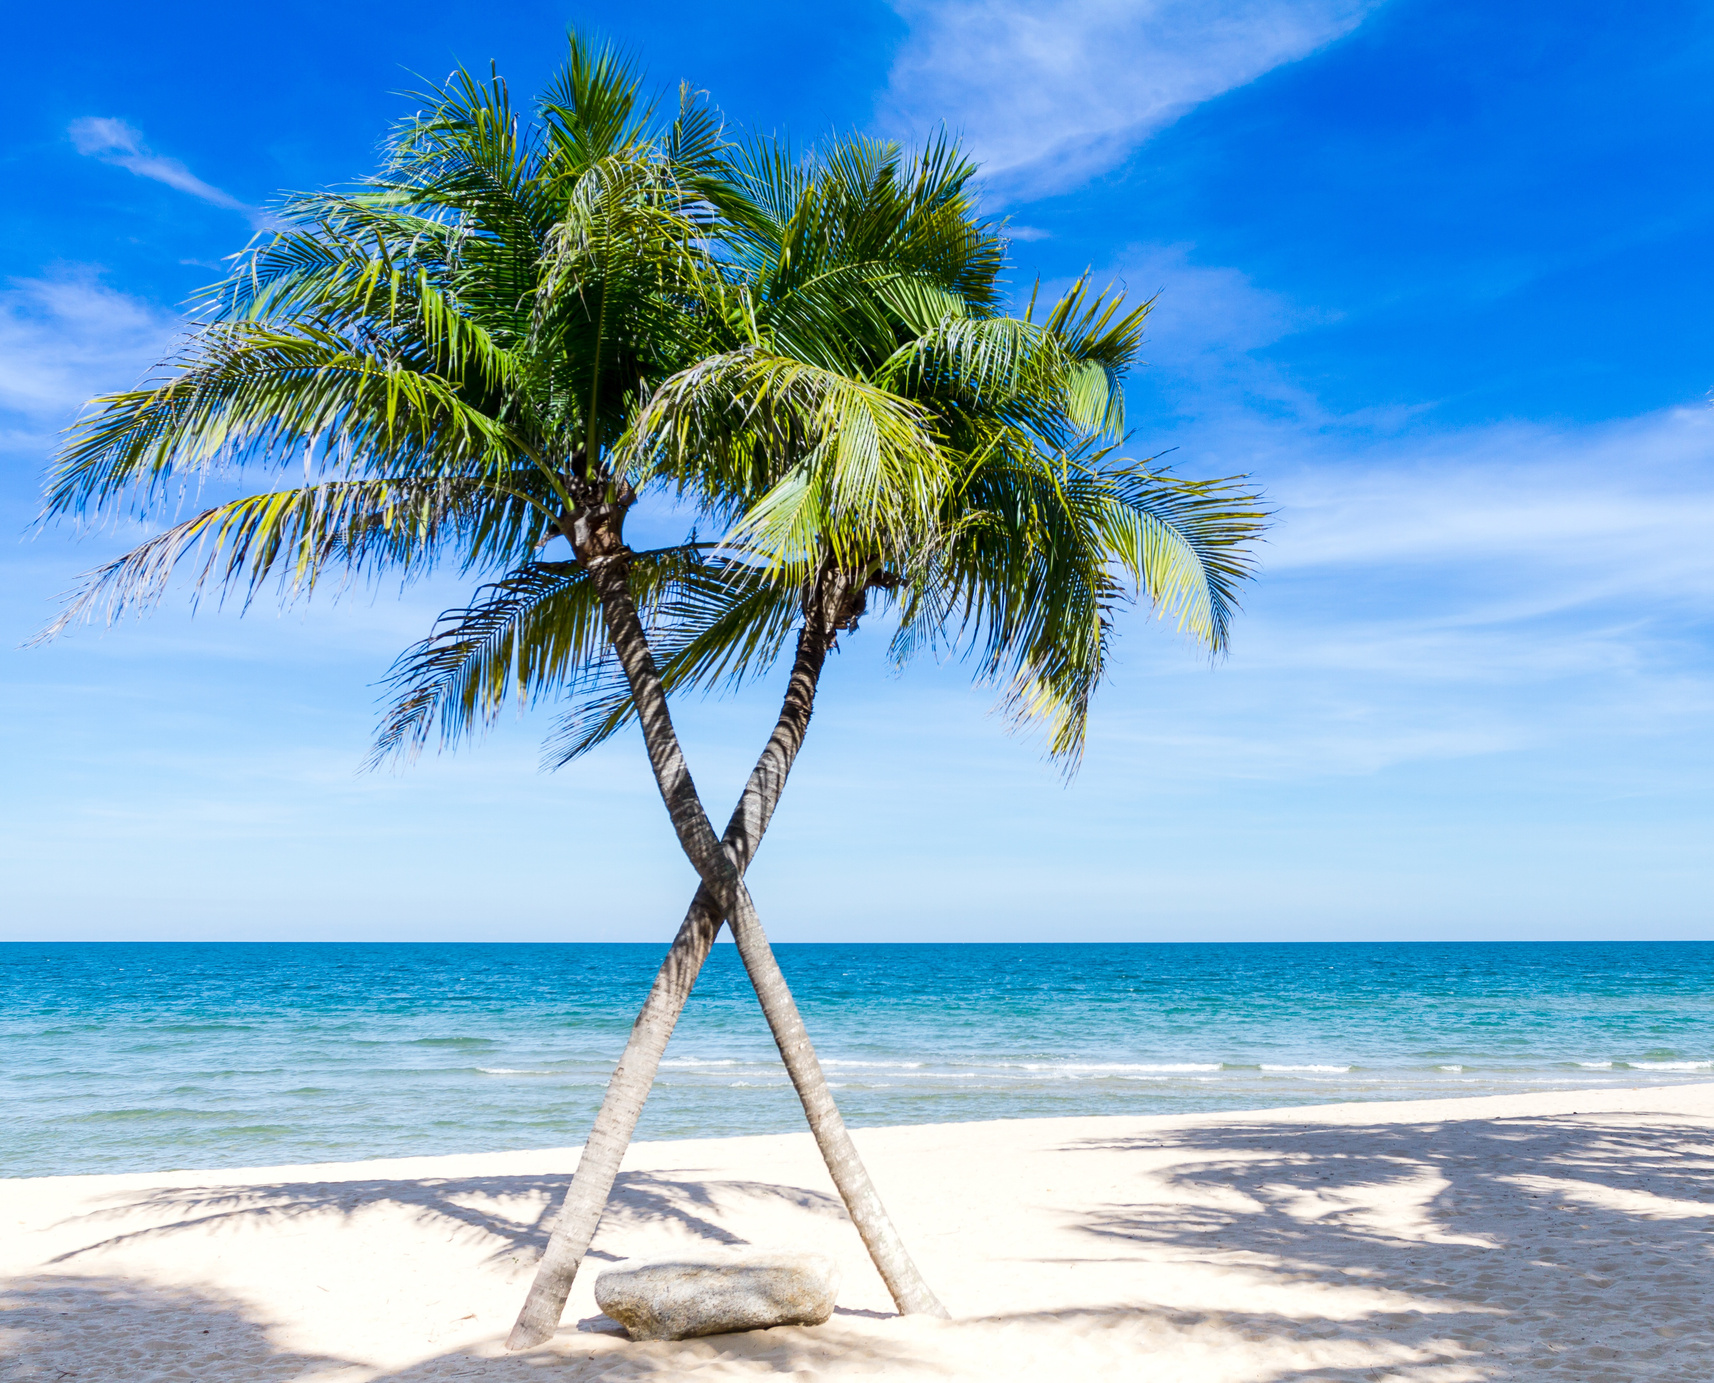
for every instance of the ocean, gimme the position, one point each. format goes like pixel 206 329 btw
pixel 130 1057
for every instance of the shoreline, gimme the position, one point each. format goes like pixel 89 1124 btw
pixel 223 1057
pixel 1426 1239
pixel 1338 1111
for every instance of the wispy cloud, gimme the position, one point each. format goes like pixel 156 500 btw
pixel 1623 506
pixel 1429 594
pixel 1459 594
pixel 66 337
pixel 122 145
pixel 1051 92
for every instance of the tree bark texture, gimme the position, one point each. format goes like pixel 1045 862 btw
pixel 586 1198
pixel 862 1201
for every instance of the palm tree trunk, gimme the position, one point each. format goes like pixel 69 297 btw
pixel 723 877
pixel 586 1198
pixel 862 1202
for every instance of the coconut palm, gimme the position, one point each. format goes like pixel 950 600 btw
pixel 515 327
pixel 389 341
pixel 876 271
pixel 453 353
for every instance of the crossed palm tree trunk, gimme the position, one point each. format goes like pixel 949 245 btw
pixel 722 895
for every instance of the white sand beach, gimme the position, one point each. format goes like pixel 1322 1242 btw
pixel 1553 1236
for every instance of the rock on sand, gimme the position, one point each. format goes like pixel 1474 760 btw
pixel 713 1292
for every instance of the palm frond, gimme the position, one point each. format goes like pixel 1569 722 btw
pixel 1188 544
pixel 715 628
pixel 859 462
pixel 1097 331
pixel 246 393
pixel 536 633
pixel 296 537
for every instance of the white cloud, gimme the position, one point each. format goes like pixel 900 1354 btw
pixel 1489 524
pixel 1050 93
pixel 1204 375
pixel 1620 508
pixel 115 142
pixel 1202 310
pixel 1428 594
pixel 1486 591
pixel 67 337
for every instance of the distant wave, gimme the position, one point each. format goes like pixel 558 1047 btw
pixel 206 1027
pixel 878 1065
pixel 1108 1066
pixel 1336 1070
pixel 1670 1065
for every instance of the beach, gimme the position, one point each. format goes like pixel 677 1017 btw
pixel 1142 589
pixel 1543 1236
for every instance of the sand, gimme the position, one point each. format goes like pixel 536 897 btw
pixel 1559 1236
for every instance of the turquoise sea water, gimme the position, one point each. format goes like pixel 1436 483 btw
pixel 158 1056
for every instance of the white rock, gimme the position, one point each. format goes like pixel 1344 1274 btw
pixel 711 1291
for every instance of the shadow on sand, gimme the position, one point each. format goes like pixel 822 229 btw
pixel 481 1205
pixel 105 1330
pixel 1539 1248
pixel 1551 1247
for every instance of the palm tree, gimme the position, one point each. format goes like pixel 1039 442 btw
pixel 874 272
pixel 390 343
pixel 468 355
pixel 453 352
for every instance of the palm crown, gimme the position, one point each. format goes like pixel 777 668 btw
pixel 397 342
pixel 518 327
pixel 863 411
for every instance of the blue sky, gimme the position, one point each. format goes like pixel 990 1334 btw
pixel 1436 274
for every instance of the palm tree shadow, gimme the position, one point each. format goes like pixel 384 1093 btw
pixel 789 1351
pixel 59 1329
pixel 514 1212
pixel 1541 1239
pixel 1519 1247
